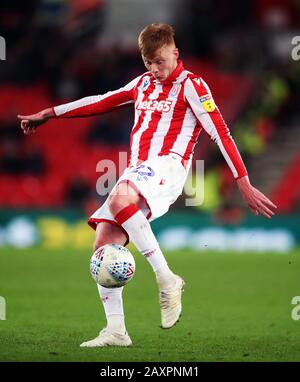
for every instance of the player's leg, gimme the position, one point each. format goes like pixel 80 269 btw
pixel 124 205
pixel 107 233
pixel 111 298
pixel 115 331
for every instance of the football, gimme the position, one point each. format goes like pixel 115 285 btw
pixel 112 266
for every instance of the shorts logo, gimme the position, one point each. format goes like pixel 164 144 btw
pixel 143 172
pixel 208 103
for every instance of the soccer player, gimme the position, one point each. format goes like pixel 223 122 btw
pixel 172 105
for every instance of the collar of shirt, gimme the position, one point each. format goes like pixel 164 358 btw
pixel 172 77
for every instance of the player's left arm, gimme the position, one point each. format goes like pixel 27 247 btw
pixel 200 99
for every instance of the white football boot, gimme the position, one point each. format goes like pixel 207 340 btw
pixel 170 303
pixel 108 338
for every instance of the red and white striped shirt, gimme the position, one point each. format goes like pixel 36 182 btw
pixel 169 116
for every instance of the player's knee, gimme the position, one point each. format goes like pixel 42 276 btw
pixel 122 197
pixel 117 202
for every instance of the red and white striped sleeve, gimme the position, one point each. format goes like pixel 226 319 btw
pixel 98 104
pixel 200 100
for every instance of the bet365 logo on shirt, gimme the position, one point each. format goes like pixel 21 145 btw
pixel 154 105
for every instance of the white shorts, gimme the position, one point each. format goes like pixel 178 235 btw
pixel 159 181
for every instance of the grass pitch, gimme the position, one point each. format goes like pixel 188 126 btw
pixel 236 307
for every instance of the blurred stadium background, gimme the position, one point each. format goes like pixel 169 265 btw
pixel 58 51
pixel 236 307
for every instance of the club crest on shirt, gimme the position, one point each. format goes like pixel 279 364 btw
pixel 175 90
pixel 208 103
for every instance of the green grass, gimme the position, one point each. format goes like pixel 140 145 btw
pixel 236 307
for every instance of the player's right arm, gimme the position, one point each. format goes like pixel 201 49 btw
pixel 83 107
pixel 29 123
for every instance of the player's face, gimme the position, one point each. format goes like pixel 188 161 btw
pixel 163 62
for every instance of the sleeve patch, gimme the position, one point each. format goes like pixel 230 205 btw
pixel 208 103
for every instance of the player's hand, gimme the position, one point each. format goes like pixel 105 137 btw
pixel 256 200
pixel 29 123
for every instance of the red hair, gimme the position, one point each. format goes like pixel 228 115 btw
pixel 155 36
